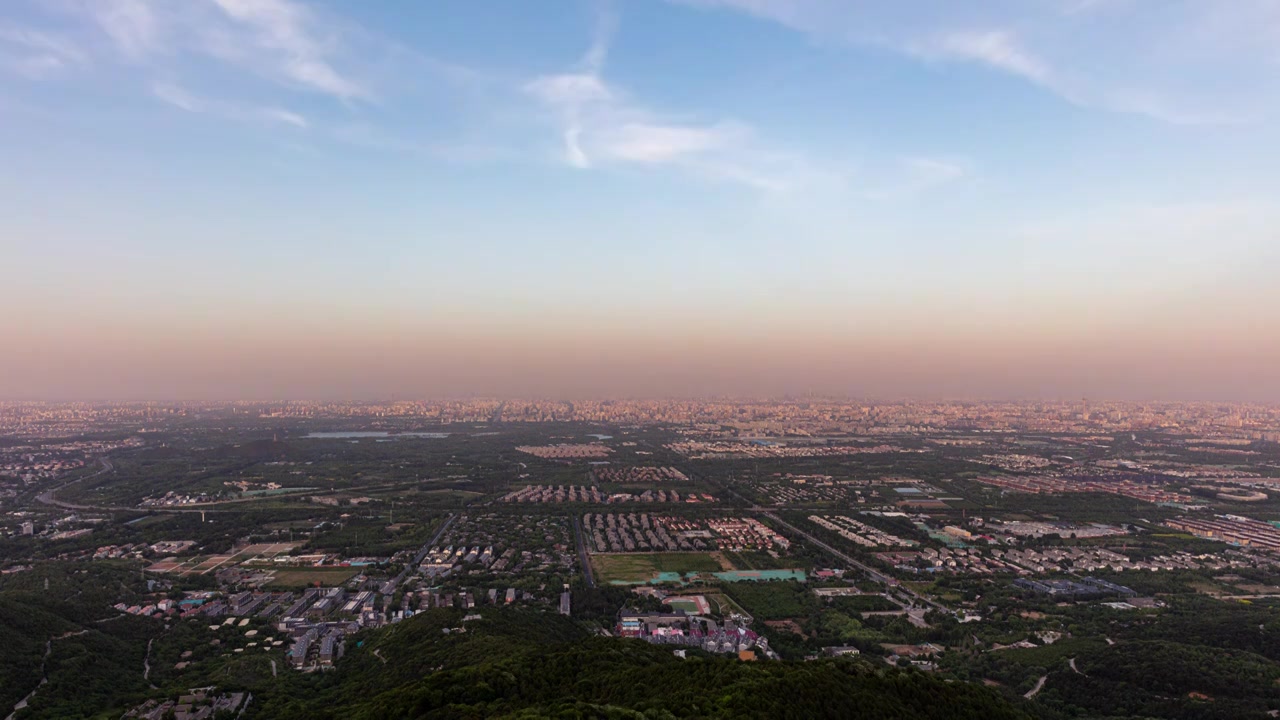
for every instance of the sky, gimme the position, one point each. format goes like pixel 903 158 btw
pixel 217 199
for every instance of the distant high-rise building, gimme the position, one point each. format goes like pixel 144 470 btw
pixel 28 528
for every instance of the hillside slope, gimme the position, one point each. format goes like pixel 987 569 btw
pixel 523 665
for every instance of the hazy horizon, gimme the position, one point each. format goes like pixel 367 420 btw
pixel 221 199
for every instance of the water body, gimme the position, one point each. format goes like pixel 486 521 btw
pixel 358 435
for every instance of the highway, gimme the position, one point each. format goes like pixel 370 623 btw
pixel 417 560
pixel 870 571
pixel 389 587
pixel 47 497
pixel 583 557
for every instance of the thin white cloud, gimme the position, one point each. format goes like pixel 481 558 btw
pixel 286 117
pixel 572 95
pixel 995 48
pixel 286 41
pixel 131 24
pixel 573 152
pixel 606 26
pixel 1121 56
pixel 571 89
pixel 36 54
pixel 929 172
pixel 177 97
pixel 41 42
pixel 603 125
pixel 1141 102
pixel 653 144
pixel 1003 51
pixel 284 33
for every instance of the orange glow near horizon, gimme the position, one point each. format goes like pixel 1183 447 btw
pixel 1018 352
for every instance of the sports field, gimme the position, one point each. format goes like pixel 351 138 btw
pixel 303 577
pixel 692 604
pixel 205 564
pixel 643 567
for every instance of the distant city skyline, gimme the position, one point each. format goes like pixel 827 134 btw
pixel 1052 199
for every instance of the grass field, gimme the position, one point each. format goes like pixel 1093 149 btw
pixel 302 577
pixel 689 604
pixel 758 560
pixel 641 567
pixel 722 604
pixel 772 600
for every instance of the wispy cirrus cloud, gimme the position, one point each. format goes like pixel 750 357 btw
pixel 994 48
pixel 601 124
pixel 36 54
pixel 286 117
pixel 1104 54
pixel 179 97
pixel 131 24
pixel 257 62
pixel 286 42
pixel 1003 51
pixel 286 36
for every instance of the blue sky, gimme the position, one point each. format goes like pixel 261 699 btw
pixel 920 175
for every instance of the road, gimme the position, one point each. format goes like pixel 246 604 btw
pixel 417 560
pixel 1036 690
pixel 44 676
pixel 583 557
pixel 389 587
pixel 22 704
pixel 47 497
pixel 870 571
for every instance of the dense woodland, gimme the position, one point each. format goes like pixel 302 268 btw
pixel 512 664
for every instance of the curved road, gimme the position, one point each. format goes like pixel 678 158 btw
pixel 47 497
pixel 1036 690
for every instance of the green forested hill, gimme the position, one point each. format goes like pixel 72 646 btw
pixel 91 655
pixel 510 663
pixel 513 664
